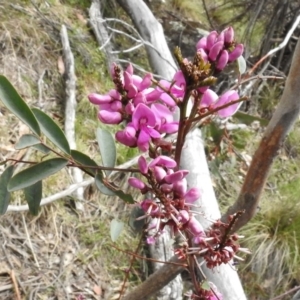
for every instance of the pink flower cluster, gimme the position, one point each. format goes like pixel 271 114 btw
pixel 171 199
pixel 220 49
pixel 147 113
pixel 134 101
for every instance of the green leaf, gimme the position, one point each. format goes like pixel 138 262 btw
pixel 248 119
pixel 26 141
pixel 107 148
pixel 4 193
pixel 36 173
pixel 114 191
pixel 125 197
pixel 100 185
pixel 52 131
pixel 84 160
pixel 13 101
pixel 42 148
pixel 33 196
pixel 242 65
pixel 116 227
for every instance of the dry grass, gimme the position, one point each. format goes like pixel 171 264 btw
pixel 61 253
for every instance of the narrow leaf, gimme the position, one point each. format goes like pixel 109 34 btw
pixel 125 197
pixel 33 196
pixel 102 188
pixel 52 131
pixel 36 173
pixel 107 148
pixel 42 148
pixel 116 227
pixel 4 193
pixel 84 160
pixel 248 119
pixel 13 101
pixel 242 65
pixel 114 191
pixel 26 141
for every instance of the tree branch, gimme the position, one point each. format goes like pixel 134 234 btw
pixel 277 130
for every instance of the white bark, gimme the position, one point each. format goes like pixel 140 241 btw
pixel 98 25
pixel 193 159
pixel 70 109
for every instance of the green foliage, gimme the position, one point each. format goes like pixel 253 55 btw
pixel 36 173
pixel 27 140
pixel 107 148
pixel 33 196
pixel 12 100
pixel 111 190
pixel 4 193
pixel 84 160
pixel 52 131
pixel 116 228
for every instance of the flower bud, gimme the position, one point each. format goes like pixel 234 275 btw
pixel 222 61
pixel 195 227
pixel 209 97
pixel 163 160
pixel 99 99
pixel 192 195
pixel 136 183
pixel 236 53
pixel 226 98
pixel 159 173
pixel 180 187
pixel 142 163
pixel 201 44
pixel 127 136
pixel 183 216
pixel 172 178
pixel 229 35
pixel 109 117
pixel 211 39
pixel 215 50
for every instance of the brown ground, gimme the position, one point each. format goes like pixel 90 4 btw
pixel 61 253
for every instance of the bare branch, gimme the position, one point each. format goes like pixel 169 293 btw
pixel 70 108
pixel 277 130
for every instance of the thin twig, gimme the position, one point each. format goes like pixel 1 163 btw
pixel 15 284
pixel 29 242
pixel 280 46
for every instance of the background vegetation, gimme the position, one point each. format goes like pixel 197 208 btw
pixel 64 253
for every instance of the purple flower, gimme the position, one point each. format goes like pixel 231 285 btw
pixel 127 136
pixel 209 97
pixel 236 52
pixel 223 60
pixel 211 100
pixel 192 195
pixel 226 98
pixel 215 50
pixel 180 187
pixel 228 35
pixel 109 117
pixel 177 89
pixel 164 161
pixel 142 163
pixel 159 173
pixel 211 39
pixel 176 176
pixel 183 216
pixel 136 183
pixel 195 227
pixel 164 117
pixel 144 121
